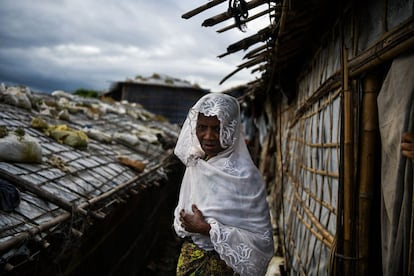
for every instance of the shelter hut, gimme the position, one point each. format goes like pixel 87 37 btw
pixel 337 89
pixel 160 94
pixel 86 185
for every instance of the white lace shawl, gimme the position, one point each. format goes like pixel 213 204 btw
pixel 228 189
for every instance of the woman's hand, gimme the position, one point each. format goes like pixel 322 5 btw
pixel 195 222
pixel 407 145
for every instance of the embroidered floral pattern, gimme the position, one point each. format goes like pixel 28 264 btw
pixel 230 167
pixel 238 257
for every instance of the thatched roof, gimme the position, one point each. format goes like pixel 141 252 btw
pixel 297 29
pixel 276 49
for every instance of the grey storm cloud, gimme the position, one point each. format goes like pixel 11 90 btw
pixel 70 44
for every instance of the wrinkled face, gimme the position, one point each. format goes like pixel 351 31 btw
pixel 208 134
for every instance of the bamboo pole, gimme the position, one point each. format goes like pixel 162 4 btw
pixel 348 165
pixel 209 22
pixel 411 253
pixel 368 158
pixel 202 8
pixel 395 42
pixel 268 11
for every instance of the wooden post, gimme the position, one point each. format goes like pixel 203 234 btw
pixel 368 157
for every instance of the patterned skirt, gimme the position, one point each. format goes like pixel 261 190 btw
pixel 194 261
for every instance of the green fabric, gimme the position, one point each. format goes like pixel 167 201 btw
pixel 194 261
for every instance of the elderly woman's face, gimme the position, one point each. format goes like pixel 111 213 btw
pixel 208 134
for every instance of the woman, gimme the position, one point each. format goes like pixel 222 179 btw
pixel 222 208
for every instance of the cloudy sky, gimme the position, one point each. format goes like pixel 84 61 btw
pixel 69 44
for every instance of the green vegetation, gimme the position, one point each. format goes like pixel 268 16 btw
pixel 156 76
pixel 86 93
pixel 169 81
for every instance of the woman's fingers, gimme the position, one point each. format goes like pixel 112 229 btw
pixel 407 145
pixel 196 211
pixel 407 137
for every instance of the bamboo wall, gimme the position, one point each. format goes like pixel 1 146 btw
pixel 318 142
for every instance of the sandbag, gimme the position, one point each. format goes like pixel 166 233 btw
pixel 22 149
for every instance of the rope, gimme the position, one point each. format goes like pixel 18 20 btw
pixel 238 9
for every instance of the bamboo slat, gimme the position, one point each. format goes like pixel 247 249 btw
pixel 320 172
pixel 24 184
pixel 315 222
pixel 298 258
pixel 245 43
pixel 32 232
pixel 321 234
pixel 242 66
pixel 127 183
pixel 315 145
pixel 232 26
pixel 255 51
pixel 312 195
pixel 202 8
pixel 225 15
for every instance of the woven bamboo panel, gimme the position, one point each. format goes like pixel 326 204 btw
pixel 310 154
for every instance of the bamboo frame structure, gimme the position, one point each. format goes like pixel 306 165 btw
pixel 68 214
pixel 311 194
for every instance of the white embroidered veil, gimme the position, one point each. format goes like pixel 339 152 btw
pixel 228 189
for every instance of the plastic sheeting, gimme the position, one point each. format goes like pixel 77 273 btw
pixel 396 115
